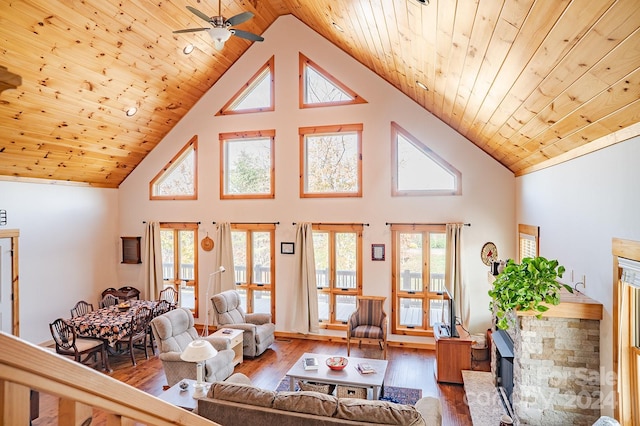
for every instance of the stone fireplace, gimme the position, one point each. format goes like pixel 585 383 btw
pixel 556 366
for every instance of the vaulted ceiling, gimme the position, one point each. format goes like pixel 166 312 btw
pixel 527 81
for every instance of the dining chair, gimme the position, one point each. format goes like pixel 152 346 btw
pixel 136 337
pixel 170 295
pixel 83 350
pixel 368 322
pixel 109 290
pixel 131 292
pixel 81 308
pixel 109 300
pixel 161 307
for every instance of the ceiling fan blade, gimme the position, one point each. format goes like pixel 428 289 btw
pixel 199 14
pixel 246 34
pixel 190 30
pixel 239 18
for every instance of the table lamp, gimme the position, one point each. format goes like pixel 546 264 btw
pixel 199 351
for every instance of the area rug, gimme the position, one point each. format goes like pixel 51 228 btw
pixel 484 402
pixel 391 393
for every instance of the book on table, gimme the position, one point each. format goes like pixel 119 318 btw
pixel 310 363
pixel 365 368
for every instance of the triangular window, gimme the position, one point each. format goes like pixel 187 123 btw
pixel 256 95
pixel 319 88
pixel 417 170
pixel 177 180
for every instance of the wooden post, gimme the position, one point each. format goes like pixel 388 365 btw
pixel 14 404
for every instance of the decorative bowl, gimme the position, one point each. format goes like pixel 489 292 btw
pixel 184 386
pixel 124 307
pixel 337 362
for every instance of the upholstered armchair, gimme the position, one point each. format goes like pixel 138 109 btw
pixel 258 329
pixel 368 322
pixel 173 331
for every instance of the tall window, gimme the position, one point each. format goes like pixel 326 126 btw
pixel 247 164
pixel 528 241
pixel 331 161
pixel 178 179
pixel 179 244
pixel 418 274
pixel 626 320
pixel 417 170
pixel 253 248
pixel 338 254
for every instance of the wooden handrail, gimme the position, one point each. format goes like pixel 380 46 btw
pixel 25 366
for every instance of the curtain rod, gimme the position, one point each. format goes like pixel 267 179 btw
pixel 182 221
pixel 329 223
pixel 252 223
pixel 413 224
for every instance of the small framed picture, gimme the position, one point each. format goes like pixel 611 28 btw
pixel 287 248
pixel 377 251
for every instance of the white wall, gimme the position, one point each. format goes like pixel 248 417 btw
pixel 487 201
pixel 580 206
pixel 68 248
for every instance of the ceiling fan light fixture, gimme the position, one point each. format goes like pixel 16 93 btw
pixel 219 36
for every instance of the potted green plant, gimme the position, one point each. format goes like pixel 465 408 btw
pixel 530 285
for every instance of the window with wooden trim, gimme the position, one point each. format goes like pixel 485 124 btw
pixel 338 255
pixel 418 277
pixel 178 180
pixel 257 95
pixel 626 336
pixel 331 161
pixel 318 88
pixel 417 170
pixel 179 246
pixel 528 241
pixel 253 248
pixel 247 164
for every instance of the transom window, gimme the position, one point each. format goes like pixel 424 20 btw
pixel 177 180
pixel 338 255
pixel 247 164
pixel 418 275
pixel 256 95
pixel 331 161
pixel 253 248
pixel 179 246
pixel 417 170
pixel 319 88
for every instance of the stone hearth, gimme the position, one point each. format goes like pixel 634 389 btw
pixel 556 370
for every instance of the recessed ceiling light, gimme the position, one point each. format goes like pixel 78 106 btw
pixel 423 2
pixel 337 27
pixel 188 49
pixel 131 111
pixel 422 85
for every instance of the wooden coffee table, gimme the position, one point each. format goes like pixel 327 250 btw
pixel 349 376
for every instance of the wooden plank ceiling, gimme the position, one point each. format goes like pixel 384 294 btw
pixel 525 80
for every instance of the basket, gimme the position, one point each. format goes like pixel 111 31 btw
pixel 351 392
pixel 316 387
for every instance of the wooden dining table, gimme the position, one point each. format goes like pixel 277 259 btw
pixel 110 323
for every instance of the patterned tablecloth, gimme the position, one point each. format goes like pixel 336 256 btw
pixel 108 323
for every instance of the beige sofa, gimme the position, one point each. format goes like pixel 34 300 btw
pixel 237 402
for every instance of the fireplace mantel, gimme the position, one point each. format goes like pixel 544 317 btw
pixel 572 305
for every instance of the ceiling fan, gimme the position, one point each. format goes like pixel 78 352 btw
pixel 220 29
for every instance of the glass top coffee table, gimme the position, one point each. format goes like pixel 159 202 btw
pixel 349 376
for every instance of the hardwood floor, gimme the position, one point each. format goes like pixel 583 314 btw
pixel 412 368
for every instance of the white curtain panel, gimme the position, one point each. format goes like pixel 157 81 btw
pixel 305 292
pixel 153 260
pixel 453 272
pixel 224 257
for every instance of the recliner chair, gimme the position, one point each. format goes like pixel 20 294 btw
pixel 173 331
pixel 258 329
